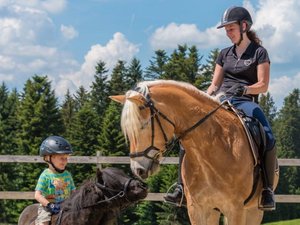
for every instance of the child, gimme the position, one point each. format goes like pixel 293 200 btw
pixel 55 183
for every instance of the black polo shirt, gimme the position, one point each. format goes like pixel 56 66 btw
pixel 243 70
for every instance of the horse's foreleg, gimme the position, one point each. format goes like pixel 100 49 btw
pixel 214 217
pixel 254 216
pixel 203 216
pixel 237 217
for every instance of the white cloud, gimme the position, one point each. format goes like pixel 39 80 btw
pixel 118 48
pixel 277 23
pixel 27 41
pixel 51 6
pixel 170 36
pixel 6 77
pixel 282 86
pixel 69 32
pixel 6 63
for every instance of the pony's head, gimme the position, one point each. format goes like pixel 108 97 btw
pixel 116 184
pixel 111 188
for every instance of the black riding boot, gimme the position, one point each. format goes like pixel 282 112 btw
pixel 177 197
pixel 267 202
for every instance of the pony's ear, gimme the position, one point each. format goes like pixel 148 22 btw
pixel 118 98
pixel 99 175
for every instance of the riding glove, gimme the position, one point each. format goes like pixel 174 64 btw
pixel 53 208
pixel 240 91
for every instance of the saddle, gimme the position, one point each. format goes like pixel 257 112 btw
pixel 254 130
pixel 257 140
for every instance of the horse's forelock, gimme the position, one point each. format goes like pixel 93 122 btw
pixel 131 120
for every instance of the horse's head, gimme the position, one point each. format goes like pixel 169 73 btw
pixel 115 184
pixel 149 130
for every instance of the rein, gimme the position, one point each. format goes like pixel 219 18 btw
pixel 169 144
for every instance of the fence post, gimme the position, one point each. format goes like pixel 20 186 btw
pixel 98 164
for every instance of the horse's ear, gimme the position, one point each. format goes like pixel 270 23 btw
pixel 118 98
pixel 132 96
pixel 136 97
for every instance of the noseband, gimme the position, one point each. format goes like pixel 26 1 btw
pixel 155 114
pixel 120 193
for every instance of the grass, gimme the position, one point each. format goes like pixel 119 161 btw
pixel 289 222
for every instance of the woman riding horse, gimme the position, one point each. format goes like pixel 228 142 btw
pixel 245 66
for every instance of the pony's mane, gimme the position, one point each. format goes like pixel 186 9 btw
pixel 80 196
pixel 131 120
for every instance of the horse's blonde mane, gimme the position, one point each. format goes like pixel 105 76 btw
pixel 131 120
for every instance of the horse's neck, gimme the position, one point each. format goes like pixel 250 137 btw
pixel 184 108
pixel 220 130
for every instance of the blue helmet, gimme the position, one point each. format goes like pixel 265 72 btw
pixel 55 145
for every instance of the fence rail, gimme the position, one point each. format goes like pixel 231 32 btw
pixel 118 160
pixel 110 160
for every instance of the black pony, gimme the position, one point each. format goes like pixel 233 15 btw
pixel 97 202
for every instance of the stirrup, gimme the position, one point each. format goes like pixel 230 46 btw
pixel 182 201
pixel 268 207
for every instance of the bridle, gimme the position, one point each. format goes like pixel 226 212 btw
pixel 119 193
pixel 155 115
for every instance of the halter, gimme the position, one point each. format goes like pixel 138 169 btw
pixel 169 144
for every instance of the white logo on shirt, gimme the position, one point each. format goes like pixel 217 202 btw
pixel 247 62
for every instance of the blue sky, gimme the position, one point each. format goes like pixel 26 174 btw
pixel 65 38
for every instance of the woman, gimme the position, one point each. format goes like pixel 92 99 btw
pixel 242 72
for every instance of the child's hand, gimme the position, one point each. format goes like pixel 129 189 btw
pixel 54 208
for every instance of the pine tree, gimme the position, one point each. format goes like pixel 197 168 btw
pixel 176 69
pixel 111 140
pixel 287 129
pixel 68 111
pixel 8 129
pixel 134 73
pixel 81 97
pixel 39 117
pixel 99 89
pixel 83 137
pixel 206 72
pixel 268 106
pixel 157 66
pixel 117 84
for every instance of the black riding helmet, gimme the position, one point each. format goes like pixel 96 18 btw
pixel 236 14
pixel 55 145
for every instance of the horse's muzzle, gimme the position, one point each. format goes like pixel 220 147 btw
pixel 145 168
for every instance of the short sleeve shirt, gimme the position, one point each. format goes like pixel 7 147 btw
pixel 55 187
pixel 241 70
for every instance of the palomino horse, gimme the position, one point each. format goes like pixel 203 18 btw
pixel 218 166
pixel 97 201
